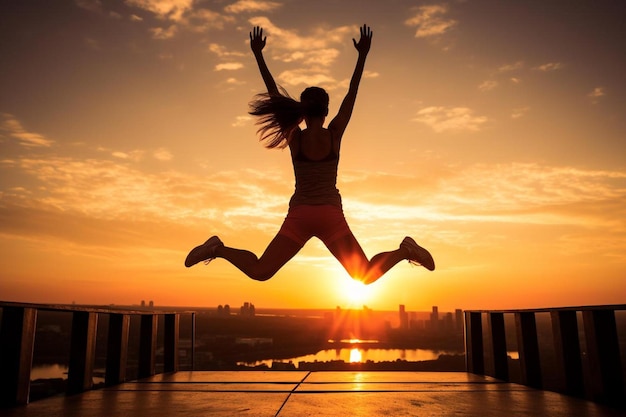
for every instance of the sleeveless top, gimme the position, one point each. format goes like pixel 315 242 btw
pixel 316 180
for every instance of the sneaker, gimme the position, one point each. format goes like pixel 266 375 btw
pixel 204 252
pixel 417 254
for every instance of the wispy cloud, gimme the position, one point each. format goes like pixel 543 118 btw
pixel 511 67
pixel 164 9
pixel 596 94
pixel 242 6
pixel 223 52
pixel 442 119
pixel 12 127
pixel 91 5
pixel 519 112
pixel 164 33
pixel 487 85
pixel 550 66
pixel 228 66
pixel 431 21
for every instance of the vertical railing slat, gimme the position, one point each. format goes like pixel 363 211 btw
pixel 82 351
pixel 170 348
pixel 147 345
pixel 17 339
pixel 497 338
pixel 528 346
pixel 474 343
pixel 117 349
pixel 607 383
pixel 567 350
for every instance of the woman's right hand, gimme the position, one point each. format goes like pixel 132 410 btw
pixel 363 46
pixel 257 41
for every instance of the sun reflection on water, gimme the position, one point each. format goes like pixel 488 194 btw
pixel 355 355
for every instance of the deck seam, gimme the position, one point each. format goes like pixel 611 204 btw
pixel 291 392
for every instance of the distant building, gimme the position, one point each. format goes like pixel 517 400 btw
pixel 151 304
pixel 404 317
pixel 247 309
pixel 434 320
pixel 459 320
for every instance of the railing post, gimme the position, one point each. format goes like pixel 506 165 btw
pixel 607 384
pixel 528 347
pixel 497 338
pixel 567 349
pixel 82 352
pixel 193 341
pixel 17 338
pixel 147 345
pixel 117 349
pixel 474 356
pixel 170 348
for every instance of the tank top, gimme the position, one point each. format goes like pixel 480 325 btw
pixel 316 180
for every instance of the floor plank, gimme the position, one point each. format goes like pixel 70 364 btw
pixel 301 394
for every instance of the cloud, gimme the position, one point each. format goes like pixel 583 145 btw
pixel 251 6
pixel 162 154
pixel 307 77
pixel 511 67
pixel 164 33
pixel 202 20
pixel 488 85
pixel 223 52
pixel 550 66
pixel 442 119
pixel 519 112
pixel 182 14
pixel 228 66
pixel 164 9
pixel 91 5
pixel 596 94
pixel 10 125
pixel 242 121
pixel 431 21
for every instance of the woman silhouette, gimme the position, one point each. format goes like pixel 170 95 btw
pixel 315 208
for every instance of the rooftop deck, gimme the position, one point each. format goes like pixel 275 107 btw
pixel 302 393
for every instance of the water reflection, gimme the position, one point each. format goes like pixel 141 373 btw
pixel 355 355
pixel 48 372
pixel 362 354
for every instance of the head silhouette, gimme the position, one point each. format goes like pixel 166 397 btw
pixel 315 102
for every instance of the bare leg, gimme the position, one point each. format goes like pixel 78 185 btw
pixel 280 250
pixel 348 251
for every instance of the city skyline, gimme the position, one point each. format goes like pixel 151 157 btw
pixel 491 132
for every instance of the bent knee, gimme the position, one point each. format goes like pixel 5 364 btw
pixel 262 275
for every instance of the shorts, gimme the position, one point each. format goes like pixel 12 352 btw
pixel 326 222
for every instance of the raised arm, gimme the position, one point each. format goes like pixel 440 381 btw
pixel 257 43
pixel 340 122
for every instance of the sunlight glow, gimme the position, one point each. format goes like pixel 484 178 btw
pixel 355 292
pixel 355 355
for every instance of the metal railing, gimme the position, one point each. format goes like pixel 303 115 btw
pixel 17 339
pixel 603 381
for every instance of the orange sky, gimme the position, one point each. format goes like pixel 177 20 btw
pixel 491 132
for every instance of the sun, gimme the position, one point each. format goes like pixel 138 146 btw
pixel 355 293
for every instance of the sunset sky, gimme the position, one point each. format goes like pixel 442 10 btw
pixel 492 132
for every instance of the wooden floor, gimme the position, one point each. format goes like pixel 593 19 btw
pixel 301 393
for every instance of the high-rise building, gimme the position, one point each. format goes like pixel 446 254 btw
pixel 459 320
pixel 404 317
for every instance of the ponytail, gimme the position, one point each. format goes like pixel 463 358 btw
pixel 279 115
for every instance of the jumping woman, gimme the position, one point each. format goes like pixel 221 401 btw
pixel 315 208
